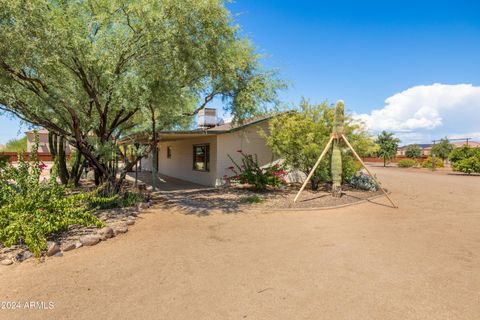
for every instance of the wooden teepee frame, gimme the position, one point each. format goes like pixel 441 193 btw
pixel 341 137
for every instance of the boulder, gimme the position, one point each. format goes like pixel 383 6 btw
pixel 106 232
pixel 130 222
pixel 22 256
pixel 120 229
pixel 68 246
pixel 6 262
pixel 90 240
pixel 142 206
pixel 78 245
pixel 52 248
pixel 58 254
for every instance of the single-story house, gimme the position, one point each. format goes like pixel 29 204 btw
pixel 202 155
pixel 43 146
pixel 427 148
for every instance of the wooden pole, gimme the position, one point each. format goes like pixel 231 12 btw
pixel 363 164
pixel 314 168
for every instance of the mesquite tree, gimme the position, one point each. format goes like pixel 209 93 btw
pixel 336 163
pixel 88 70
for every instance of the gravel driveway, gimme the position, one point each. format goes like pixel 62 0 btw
pixel 368 261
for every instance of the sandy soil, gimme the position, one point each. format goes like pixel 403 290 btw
pixel 421 261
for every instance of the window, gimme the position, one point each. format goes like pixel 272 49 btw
pixel 169 152
pixel 201 157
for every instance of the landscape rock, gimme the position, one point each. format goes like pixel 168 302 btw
pixel 78 245
pixel 22 256
pixel 120 229
pixel 130 222
pixel 142 206
pixel 68 246
pixel 106 232
pixel 90 240
pixel 6 262
pixel 58 254
pixel 52 248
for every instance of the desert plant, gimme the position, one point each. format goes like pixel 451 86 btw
pixel 251 173
pixel 413 151
pixel 299 137
pixel 364 182
pixel 336 162
pixel 406 163
pixel 465 159
pixel 427 163
pixel 32 210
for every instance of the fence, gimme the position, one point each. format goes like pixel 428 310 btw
pixel 13 156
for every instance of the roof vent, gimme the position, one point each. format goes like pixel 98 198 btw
pixel 207 118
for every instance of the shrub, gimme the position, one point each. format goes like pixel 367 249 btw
pixel 259 177
pixel 105 201
pixel 406 163
pixel 427 163
pixel 413 151
pixel 363 181
pixel 465 159
pixel 252 199
pixel 32 210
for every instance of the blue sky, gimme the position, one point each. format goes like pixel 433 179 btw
pixel 366 52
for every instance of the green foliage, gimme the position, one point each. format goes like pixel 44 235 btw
pixel 442 149
pixel 126 199
pixel 300 136
pixel 251 173
pixel 363 181
pixel 413 151
pixel 3 161
pixel 91 71
pixel 388 146
pixel 32 210
pixel 465 159
pixel 252 199
pixel 16 145
pixel 406 163
pixel 427 163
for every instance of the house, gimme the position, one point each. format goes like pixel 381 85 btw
pixel 202 155
pixel 43 146
pixel 427 148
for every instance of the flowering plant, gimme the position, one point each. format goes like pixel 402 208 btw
pixel 251 173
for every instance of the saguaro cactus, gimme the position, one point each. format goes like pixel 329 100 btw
pixel 336 163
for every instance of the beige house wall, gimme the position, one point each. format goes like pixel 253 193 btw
pixel 181 163
pixel 180 166
pixel 249 140
pixel 43 146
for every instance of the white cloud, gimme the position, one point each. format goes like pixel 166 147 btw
pixel 423 113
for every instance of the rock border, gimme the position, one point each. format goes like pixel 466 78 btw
pixel 76 237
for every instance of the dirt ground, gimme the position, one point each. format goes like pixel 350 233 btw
pixel 368 261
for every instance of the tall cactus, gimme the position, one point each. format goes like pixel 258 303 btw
pixel 336 163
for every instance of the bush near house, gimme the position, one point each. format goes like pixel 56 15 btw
pixel 406 163
pixel 427 163
pixel 465 159
pixel 32 210
pixel 249 172
pixel 300 136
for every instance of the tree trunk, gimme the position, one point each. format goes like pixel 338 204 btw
pixel 62 161
pixel 384 161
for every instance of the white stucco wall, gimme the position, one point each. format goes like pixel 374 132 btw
pixel 249 140
pixel 181 164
